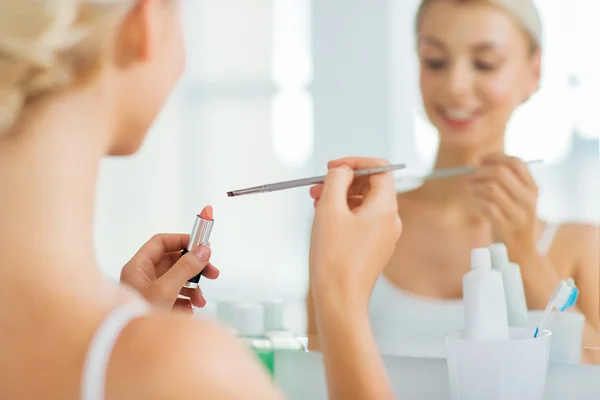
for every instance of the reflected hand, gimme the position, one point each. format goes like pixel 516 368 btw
pixel 355 230
pixel 158 272
pixel 507 194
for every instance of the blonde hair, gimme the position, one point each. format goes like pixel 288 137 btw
pixel 46 45
pixel 523 11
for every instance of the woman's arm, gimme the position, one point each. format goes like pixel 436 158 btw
pixel 353 364
pixel 587 273
pixel 540 278
pixel 311 322
pixel 354 234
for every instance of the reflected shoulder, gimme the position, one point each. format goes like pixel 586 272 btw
pixel 581 233
pixel 581 240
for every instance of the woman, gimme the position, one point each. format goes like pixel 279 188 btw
pixel 479 60
pixel 81 79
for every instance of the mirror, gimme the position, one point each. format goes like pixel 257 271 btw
pixel 274 89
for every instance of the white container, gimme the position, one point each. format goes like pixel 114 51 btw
pixel 282 338
pixel 516 303
pixel 249 325
pixel 209 311
pixel 567 334
pixel 226 311
pixel 514 369
pixel 484 300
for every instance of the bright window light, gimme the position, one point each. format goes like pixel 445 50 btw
pixel 291 69
pixel 587 65
pixel 292 54
pixel 292 127
pixel 427 137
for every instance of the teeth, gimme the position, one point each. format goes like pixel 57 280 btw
pixel 458 114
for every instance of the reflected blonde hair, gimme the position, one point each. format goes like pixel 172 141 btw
pixel 523 11
pixel 45 45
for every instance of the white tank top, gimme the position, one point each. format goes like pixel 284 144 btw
pixel 96 363
pixel 410 325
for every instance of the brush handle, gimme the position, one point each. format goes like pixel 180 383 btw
pixel 315 180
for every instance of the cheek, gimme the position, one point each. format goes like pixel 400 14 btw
pixel 427 85
pixel 500 94
pixel 174 57
pixel 179 56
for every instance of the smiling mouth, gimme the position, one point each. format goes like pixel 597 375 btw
pixel 458 117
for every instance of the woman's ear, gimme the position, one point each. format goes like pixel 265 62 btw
pixel 535 65
pixel 136 35
pixel 534 74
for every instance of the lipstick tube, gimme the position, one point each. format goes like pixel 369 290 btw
pixel 199 237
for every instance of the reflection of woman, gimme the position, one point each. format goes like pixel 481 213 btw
pixel 479 61
pixel 81 79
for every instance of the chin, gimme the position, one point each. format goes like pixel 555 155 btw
pixel 126 148
pixel 464 140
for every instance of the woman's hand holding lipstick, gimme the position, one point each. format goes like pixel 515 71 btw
pixel 158 271
pixel 506 193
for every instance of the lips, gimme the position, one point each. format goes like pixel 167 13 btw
pixel 458 118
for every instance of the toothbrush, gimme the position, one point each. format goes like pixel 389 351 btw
pixel 564 296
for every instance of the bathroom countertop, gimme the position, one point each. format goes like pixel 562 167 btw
pixel 301 376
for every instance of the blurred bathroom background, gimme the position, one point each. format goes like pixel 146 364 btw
pixel 276 88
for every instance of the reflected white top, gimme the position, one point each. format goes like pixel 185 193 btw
pixel 410 325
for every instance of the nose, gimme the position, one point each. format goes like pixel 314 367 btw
pixel 459 82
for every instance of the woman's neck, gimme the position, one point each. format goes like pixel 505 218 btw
pixel 48 169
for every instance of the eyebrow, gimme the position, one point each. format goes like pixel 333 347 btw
pixel 479 47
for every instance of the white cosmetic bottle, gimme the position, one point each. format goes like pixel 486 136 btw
pixel 484 300
pixel 274 328
pixel 516 303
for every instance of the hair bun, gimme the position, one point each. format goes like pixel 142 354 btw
pixel 33 35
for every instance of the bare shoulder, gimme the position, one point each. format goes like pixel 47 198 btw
pixel 580 236
pixel 177 356
pixel 578 244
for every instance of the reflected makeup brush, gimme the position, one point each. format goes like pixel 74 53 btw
pixel 451 172
pixel 199 237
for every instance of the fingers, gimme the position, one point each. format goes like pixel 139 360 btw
pixel 495 200
pixel 211 272
pixel 195 295
pixel 167 287
pixel 337 183
pixel 500 173
pixel 353 202
pixel 382 193
pixel 163 243
pixel 360 185
pixel 316 191
pixel 183 305
pixel 358 162
pixel 516 164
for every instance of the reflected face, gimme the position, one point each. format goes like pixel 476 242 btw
pixel 161 61
pixel 476 67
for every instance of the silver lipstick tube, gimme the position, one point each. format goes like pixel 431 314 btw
pixel 199 237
